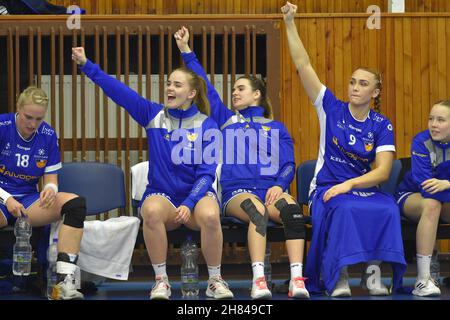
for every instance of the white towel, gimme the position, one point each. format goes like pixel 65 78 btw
pixel 107 246
pixel 139 180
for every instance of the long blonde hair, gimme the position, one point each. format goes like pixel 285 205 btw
pixel 199 85
pixel 31 95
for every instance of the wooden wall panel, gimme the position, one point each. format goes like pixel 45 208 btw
pixel 243 6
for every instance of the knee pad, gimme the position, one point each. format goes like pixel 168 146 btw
pixel 259 220
pixel 293 220
pixel 74 212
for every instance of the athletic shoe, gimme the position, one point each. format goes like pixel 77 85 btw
pixel 342 289
pixel 426 288
pixel 297 289
pixel 260 290
pixel 66 289
pixel 218 289
pixel 378 289
pixel 161 289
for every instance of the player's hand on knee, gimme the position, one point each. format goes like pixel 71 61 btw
pixel 433 186
pixel 15 207
pixel 79 56
pixel 183 214
pixel 273 194
pixel 47 198
pixel 337 190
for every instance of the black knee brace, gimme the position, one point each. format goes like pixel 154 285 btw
pixel 259 220
pixel 74 212
pixel 293 220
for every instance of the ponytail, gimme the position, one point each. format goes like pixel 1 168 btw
pixel 199 85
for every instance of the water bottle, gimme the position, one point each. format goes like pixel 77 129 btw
pixel 435 268
pixel 22 248
pixel 268 267
pixel 52 255
pixel 189 270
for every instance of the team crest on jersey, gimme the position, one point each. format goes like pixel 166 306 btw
pixel 7 150
pixel 167 137
pixel 192 136
pixel 41 163
pixel 368 146
pixel 266 128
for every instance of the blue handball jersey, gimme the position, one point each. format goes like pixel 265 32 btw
pixel 24 162
pixel 429 159
pixel 347 146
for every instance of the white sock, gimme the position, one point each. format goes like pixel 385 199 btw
pixel 296 270
pixel 214 271
pixel 258 270
pixel 423 266
pixel 160 269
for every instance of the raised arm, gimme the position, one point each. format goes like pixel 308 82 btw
pixel 308 75
pixel 219 112
pixel 137 106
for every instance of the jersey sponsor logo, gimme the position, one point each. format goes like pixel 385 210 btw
pixel 7 150
pixel 5 123
pixel 23 148
pixel 377 118
pixel 347 153
pixel 354 128
pixel 20 176
pixel 340 160
pixel 363 194
pixel 47 131
pixel 341 124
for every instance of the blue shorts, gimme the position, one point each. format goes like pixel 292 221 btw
pixel 401 197
pixel 174 201
pixel 228 196
pixel 26 201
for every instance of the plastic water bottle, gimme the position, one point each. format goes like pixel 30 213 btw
pixel 22 248
pixel 268 267
pixel 189 270
pixel 435 268
pixel 52 255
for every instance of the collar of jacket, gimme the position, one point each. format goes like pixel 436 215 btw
pixel 252 111
pixel 181 114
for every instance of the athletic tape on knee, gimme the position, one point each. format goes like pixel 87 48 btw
pixel 280 204
pixel 293 221
pixel 74 212
pixel 259 220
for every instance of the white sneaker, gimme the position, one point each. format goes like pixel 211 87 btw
pixel 218 289
pixel 342 289
pixel 161 289
pixel 297 289
pixel 260 290
pixel 378 289
pixel 66 289
pixel 426 288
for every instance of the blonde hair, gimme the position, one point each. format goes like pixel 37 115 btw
pixel 445 103
pixel 198 84
pixel 31 95
pixel 379 85
pixel 259 84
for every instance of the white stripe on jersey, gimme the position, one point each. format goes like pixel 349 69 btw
pixel 318 104
pixel 53 168
pixel 385 148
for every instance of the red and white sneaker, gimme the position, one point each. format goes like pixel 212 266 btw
pixel 218 289
pixel 161 289
pixel 260 290
pixel 297 288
